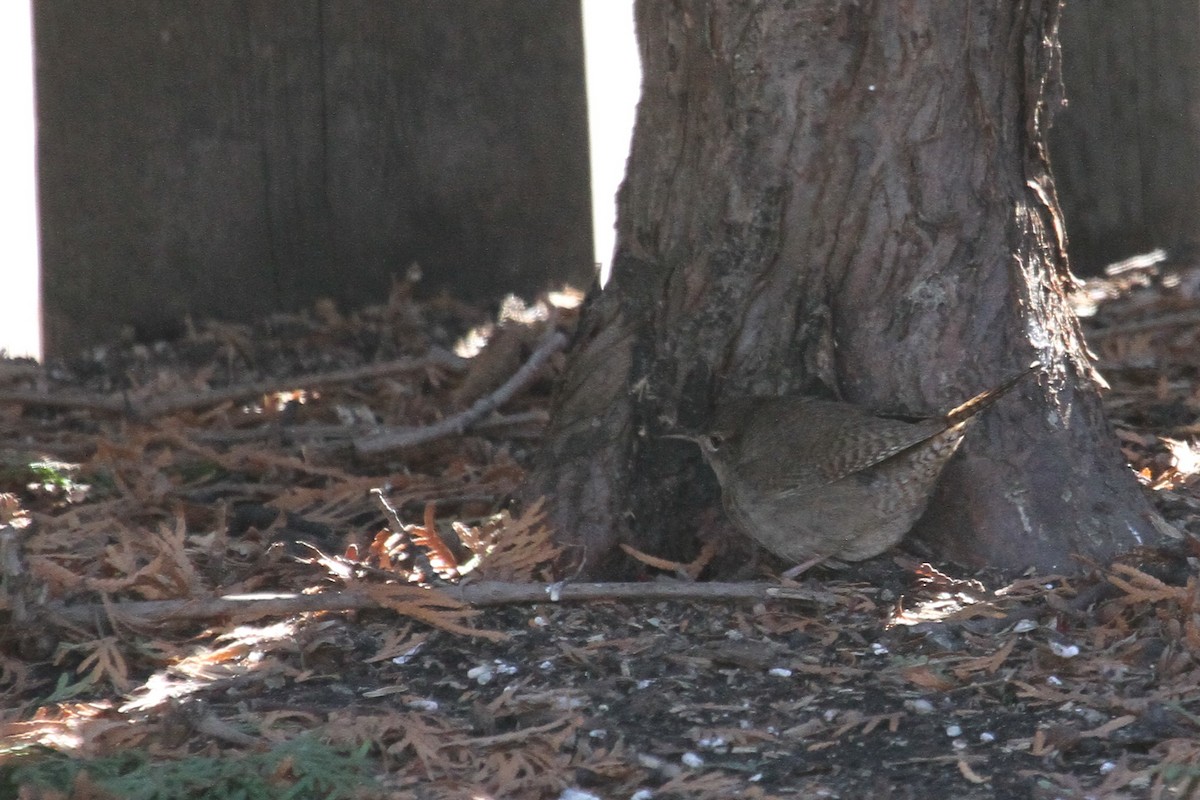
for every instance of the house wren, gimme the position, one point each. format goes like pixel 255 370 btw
pixel 813 479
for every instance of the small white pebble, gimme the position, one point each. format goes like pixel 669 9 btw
pixel 692 760
pixel 734 635
pixel 597 733
pixel 1024 626
pixel 642 794
pixel 576 794
pixel 645 683
pixel 649 762
pixel 421 704
pixel 714 743
pixel 920 706
pixel 540 621
pixel 878 649
pixel 871 87
pixel 546 665
pixel 1107 767
pixel 830 714
pixel 1064 650
pixel 1054 680
pixel 482 674
pixel 407 655
pixel 755 778
pixel 959 744
pixel 953 730
pixel 779 672
pixel 987 737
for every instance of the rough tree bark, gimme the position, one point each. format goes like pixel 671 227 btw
pixel 853 198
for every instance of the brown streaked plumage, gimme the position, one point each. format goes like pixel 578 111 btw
pixel 813 479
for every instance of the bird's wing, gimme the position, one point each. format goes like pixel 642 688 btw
pixel 785 452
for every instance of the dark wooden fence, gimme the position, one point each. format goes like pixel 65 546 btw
pixel 1126 148
pixel 235 157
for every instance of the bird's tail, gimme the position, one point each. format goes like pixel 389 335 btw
pixel 985 398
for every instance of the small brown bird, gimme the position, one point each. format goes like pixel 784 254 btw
pixel 813 479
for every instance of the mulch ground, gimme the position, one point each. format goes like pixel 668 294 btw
pixel 298 538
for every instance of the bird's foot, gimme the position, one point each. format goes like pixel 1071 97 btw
pixel 804 566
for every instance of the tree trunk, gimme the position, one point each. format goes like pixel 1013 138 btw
pixel 845 198
pixel 1125 148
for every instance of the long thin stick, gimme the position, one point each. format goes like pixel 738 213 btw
pixel 170 403
pixel 398 438
pixel 482 593
pixel 336 432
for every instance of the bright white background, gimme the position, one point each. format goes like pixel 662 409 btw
pixel 613 78
pixel 18 187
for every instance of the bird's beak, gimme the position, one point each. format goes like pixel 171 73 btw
pixel 685 437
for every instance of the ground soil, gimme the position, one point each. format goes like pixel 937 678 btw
pixel 238 461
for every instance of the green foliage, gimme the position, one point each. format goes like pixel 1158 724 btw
pixel 29 476
pixel 50 473
pixel 296 770
pixel 19 471
pixel 65 690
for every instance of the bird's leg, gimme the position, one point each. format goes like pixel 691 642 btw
pixel 804 566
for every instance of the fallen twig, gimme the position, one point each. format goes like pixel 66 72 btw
pixel 183 401
pixel 480 594
pixel 333 432
pixel 398 438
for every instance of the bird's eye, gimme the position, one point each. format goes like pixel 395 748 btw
pixel 713 442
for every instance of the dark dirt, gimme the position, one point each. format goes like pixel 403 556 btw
pixel 891 680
